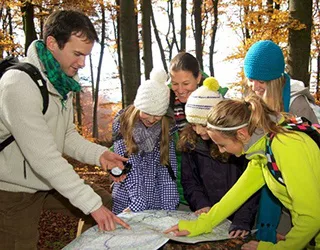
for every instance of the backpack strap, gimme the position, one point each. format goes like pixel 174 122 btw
pixel 37 78
pixel 272 165
pixel 300 124
pixel 6 142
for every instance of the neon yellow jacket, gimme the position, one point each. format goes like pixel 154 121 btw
pixel 298 158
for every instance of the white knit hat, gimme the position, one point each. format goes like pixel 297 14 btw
pixel 202 100
pixel 153 95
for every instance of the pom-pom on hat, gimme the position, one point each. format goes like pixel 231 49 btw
pixel 153 94
pixel 202 100
pixel 264 61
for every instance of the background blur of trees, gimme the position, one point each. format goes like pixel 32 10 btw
pixel 128 28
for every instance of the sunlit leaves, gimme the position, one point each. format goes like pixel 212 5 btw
pixel 259 21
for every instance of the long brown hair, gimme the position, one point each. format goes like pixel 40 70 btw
pixel 127 121
pixel 252 111
pixel 273 94
pixel 188 140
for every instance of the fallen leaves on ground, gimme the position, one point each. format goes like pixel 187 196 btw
pixel 57 230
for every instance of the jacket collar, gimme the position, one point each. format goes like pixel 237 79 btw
pixel 32 57
pixel 257 144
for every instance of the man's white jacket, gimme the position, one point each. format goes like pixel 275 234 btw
pixel 34 162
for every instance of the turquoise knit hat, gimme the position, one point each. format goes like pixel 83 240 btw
pixel 264 61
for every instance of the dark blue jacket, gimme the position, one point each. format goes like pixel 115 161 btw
pixel 206 180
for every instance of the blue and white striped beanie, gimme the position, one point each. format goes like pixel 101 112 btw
pixel 202 100
pixel 264 61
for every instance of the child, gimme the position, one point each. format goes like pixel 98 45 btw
pixel 207 175
pixel 264 68
pixel 143 132
pixel 241 127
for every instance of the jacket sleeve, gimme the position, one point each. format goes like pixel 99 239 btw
pixel 301 107
pixel 170 195
pixel 135 186
pixel 249 182
pixel 298 160
pixel 194 191
pixel 133 183
pixel 21 105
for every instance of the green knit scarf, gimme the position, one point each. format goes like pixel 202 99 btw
pixel 62 83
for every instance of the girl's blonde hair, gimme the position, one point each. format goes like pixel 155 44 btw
pixel 273 94
pixel 251 111
pixel 188 140
pixel 127 121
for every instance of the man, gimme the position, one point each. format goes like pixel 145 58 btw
pixel 33 173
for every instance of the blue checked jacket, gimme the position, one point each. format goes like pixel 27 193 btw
pixel 148 185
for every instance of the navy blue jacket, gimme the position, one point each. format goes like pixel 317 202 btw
pixel 206 180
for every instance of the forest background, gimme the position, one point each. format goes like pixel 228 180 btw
pixel 136 35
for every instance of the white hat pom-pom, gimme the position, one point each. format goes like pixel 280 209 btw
pixel 159 75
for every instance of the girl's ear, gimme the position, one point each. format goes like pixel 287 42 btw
pixel 243 135
pixel 199 78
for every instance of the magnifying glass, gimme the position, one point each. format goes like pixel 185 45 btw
pixel 117 172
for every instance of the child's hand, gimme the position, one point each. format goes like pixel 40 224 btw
pixel 175 230
pixel 238 233
pixel 127 210
pixel 202 210
pixel 280 237
pixel 251 245
pixel 118 179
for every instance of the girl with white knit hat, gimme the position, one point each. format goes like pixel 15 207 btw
pixel 207 174
pixel 143 132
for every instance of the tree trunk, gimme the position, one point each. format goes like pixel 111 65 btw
pixel 129 49
pixel 92 77
pixel 171 35
pixel 117 37
pixel 146 37
pixel 213 35
pixel 78 112
pixel 270 6
pixel 300 41
pixel 156 33
pixel 244 30
pixel 183 31
pixel 318 75
pixel 28 23
pixel 95 131
pixel 198 30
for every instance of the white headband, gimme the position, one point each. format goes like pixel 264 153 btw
pixel 226 129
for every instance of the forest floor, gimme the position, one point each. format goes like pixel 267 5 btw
pixel 57 230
